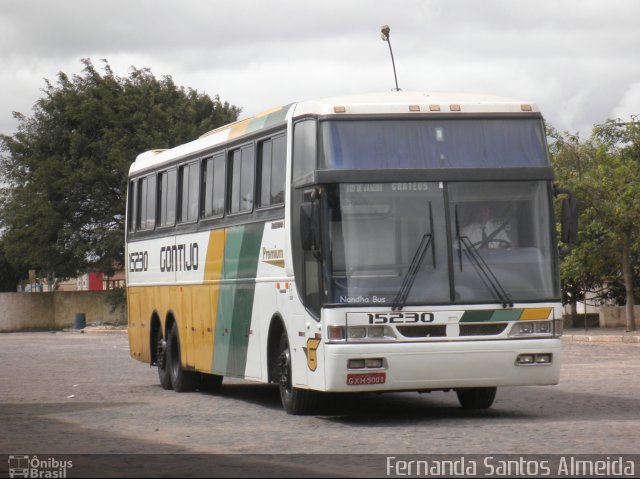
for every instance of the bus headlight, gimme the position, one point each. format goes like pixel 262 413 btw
pixel 542 327
pixel 533 329
pixel 338 334
pixel 357 332
pixel 375 332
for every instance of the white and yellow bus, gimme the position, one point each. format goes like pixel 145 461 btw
pixel 399 241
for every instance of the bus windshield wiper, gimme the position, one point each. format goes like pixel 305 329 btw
pixel 482 268
pixel 414 267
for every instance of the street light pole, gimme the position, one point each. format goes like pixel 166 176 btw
pixel 385 37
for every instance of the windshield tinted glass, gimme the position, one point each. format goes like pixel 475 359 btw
pixel 374 231
pixel 433 143
pixel 509 225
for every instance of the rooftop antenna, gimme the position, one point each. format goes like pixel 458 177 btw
pixel 385 37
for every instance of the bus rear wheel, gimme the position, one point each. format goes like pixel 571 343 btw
pixel 294 400
pixel 476 398
pixel 182 381
pixel 162 359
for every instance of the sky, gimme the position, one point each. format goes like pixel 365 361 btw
pixel 579 60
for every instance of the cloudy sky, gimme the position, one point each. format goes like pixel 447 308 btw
pixel 578 59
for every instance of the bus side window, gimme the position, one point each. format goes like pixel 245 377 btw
pixel 146 210
pixel 304 148
pixel 273 157
pixel 189 179
pixel 167 197
pixel 213 182
pixel 241 176
pixel 133 200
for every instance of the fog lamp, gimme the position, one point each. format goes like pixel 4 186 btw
pixel 374 363
pixel 526 359
pixel 543 358
pixel 356 363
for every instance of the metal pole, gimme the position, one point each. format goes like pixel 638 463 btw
pixel 394 65
pixel 385 37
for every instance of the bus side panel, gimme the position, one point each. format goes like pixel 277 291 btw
pixel 136 336
pixel 270 293
pixel 315 363
pixel 186 324
pixel 202 319
pixel 233 325
pixel 213 274
pixel 264 306
pixel 222 336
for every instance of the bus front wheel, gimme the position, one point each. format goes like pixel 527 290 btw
pixel 294 400
pixel 476 398
pixel 183 381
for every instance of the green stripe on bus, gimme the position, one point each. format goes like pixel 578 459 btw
pixel 506 315
pixel 491 315
pixel 241 256
pixel 476 316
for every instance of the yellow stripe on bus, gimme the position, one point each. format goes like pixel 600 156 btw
pixel 536 313
pixel 215 255
pixel 238 129
pixel 213 273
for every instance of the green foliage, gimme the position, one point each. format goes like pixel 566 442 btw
pixel 116 298
pixel 67 165
pixel 604 174
pixel 9 277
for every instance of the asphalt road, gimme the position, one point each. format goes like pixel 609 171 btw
pixel 72 393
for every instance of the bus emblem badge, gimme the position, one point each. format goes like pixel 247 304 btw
pixel 311 351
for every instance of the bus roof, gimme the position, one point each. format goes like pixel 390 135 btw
pixel 394 102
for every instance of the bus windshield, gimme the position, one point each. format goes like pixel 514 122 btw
pixel 433 143
pixel 376 230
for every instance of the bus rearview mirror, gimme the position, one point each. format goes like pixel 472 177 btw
pixel 569 221
pixel 310 227
pixel 306 225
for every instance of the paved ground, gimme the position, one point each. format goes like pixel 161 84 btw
pixel 597 335
pixel 72 393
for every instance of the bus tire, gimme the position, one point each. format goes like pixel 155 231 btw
pixel 295 401
pixel 476 398
pixel 182 381
pixel 163 361
pixel 210 383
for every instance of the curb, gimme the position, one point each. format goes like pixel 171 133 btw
pixel 96 331
pixel 584 338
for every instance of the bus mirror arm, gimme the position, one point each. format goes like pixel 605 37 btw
pixel 310 227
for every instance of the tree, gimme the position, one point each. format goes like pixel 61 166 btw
pixel 604 174
pixel 9 277
pixel 617 201
pixel 66 166
pixel 581 271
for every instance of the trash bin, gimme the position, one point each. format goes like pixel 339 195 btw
pixel 81 321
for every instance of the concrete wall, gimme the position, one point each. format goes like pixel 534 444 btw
pixel 29 311
pixel 616 317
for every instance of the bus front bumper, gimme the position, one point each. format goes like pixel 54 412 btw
pixel 424 366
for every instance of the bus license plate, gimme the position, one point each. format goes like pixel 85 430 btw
pixel 366 379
